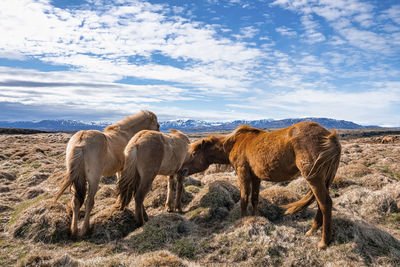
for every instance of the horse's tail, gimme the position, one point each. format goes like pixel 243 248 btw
pixel 129 180
pixel 325 166
pixel 75 174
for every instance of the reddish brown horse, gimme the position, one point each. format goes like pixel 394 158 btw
pixel 305 148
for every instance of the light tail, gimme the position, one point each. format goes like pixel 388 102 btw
pixel 129 180
pixel 75 174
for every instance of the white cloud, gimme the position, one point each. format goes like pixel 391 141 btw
pixel 34 87
pixel 312 35
pixel 393 13
pixel 345 17
pixel 183 60
pixel 103 40
pixel 364 107
pixel 286 31
pixel 10 54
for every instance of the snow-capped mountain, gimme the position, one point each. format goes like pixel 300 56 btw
pixel 54 125
pixel 185 125
pixel 203 126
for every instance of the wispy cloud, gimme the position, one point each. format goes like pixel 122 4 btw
pixel 104 40
pixel 343 17
pixel 286 31
pixel 330 103
pixel 192 60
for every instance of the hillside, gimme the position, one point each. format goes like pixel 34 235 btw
pixel 35 232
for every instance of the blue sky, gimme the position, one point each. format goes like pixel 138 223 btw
pixel 214 60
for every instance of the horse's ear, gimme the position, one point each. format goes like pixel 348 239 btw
pixel 203 143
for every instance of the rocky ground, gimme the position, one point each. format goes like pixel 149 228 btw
pixel 34 231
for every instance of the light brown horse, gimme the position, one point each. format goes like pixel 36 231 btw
pixel 304 148
pixel 91 154
pixel 150 153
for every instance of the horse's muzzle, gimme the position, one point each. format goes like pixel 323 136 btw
pixel 183 172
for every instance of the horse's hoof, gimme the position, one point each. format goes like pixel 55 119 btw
pixel 322 245
pixel 309 232
pixel 74 234
pixel 170 210
pixel 179 210
pixel 82 234
pixel 117 207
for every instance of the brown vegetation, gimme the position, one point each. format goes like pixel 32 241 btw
pixel 209 232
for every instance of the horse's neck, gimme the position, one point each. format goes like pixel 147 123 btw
pixel 219 153
pixel 130 128
pixel 117 139
pixel 180 138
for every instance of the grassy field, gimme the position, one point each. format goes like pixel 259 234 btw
pixel 210 232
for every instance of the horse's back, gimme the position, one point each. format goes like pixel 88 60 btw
pixel 160 152
pixel 175 152
pixel 277 155
pixel 91 142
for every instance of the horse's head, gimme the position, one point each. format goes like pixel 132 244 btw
pixel 152 121
pixel 202 154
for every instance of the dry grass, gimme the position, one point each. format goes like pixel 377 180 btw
pixel 210 232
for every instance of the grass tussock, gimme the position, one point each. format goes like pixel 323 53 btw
pixel 160 258
pixel 111 224
pixel 41 221
pixel 160 232
pixel 213 202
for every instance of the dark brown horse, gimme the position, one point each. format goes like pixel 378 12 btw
pixel 305 148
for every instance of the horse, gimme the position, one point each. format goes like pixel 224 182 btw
pixel 147 154
pixel 305 149
pixel 91 154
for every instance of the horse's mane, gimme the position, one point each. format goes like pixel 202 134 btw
pixel 231 138
pixel 174 131
pixel 204 141
pixel 143 114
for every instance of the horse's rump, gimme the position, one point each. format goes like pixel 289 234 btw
pixel 74 174
pixel 325 166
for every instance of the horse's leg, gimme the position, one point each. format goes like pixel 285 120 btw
pixel 255 190
pixel 118 202
pixel 93 183
pixel 141 192
pixel 321 194
pixel 139 198
pixel 179 191
pixel 317 223
pixel 171 192
pixel 145 216
pixel 76 205
pixel 77 202
pixel 245 182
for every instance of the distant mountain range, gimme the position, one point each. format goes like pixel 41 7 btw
pixel 183 125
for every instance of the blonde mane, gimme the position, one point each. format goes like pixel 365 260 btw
pixel 131 120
